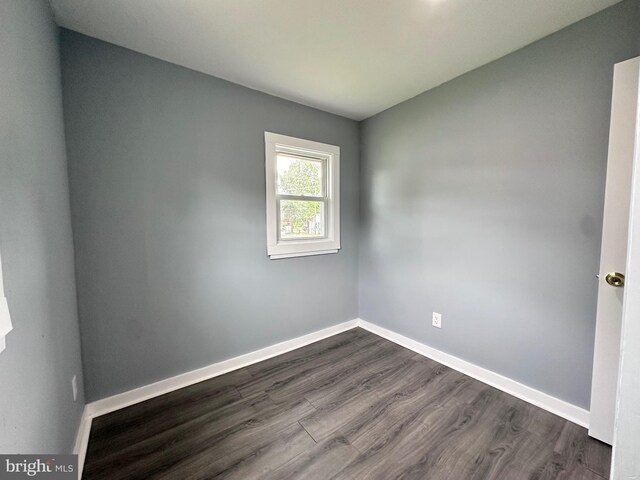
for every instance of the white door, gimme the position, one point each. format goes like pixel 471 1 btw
pixel 624 111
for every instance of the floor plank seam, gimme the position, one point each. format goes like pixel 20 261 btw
pixel 315 441
pixel 242 397
pixel 339 433
pixel 594 472
pixel 314 406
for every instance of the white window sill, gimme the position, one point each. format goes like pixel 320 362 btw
pixel 301 254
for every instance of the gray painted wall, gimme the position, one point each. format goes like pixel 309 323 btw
pixel 166 169
pixel 37 412
pixel 482 200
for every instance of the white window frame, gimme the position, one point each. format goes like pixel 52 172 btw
pixel 330 155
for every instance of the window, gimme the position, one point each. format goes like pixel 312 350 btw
pixel 303 197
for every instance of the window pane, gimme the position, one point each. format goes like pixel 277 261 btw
pixel 298 176
pixel 301 219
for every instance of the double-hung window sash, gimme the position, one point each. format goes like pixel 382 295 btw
pixel 301 195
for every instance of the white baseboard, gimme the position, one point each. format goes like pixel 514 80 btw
pixel 122 400
pixel 554 405
pixel 82 440
pixel 540 399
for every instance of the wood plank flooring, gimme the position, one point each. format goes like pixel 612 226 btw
pixel 353 406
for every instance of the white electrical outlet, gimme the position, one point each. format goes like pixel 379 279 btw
pixel 74 387
pixel 436 320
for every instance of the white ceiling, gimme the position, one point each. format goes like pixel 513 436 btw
pixel 350 57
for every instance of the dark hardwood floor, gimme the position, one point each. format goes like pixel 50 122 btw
pixel 353 406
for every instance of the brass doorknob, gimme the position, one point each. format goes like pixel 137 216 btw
pixel 615 279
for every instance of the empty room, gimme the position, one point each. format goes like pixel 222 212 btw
pixel 320 239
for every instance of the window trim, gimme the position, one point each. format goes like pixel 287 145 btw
pixel 330 243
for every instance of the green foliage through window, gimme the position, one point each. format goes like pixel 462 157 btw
pixel 298 177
